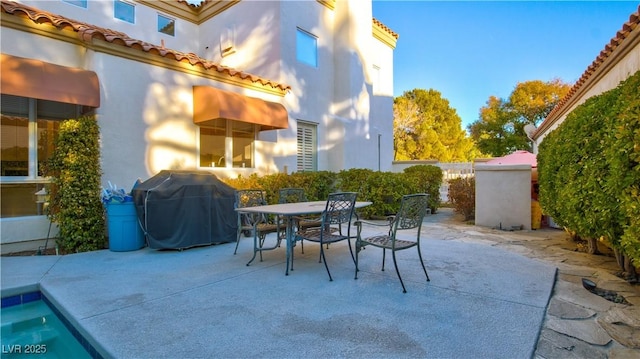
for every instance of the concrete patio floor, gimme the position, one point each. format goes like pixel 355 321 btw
pixel 482 301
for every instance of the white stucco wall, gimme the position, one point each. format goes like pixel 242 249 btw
pixel 146 111
pixel 145 119
pixel 381 115
pixel 254 29
pixel 149 129
pixel 22 44
pixel 101 13
pixel 503 196
pixel 354 126
pixel 18 43
pixel 353 136
pixel 152 128
pixel 29 228
pixel 311 96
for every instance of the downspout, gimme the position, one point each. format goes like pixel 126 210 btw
pixel 379 140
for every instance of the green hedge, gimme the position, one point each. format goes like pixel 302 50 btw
pixel 75 192
pixel 589 169
pixel 626 166
pixel 384 189
pixel 317 185
pixel 428 179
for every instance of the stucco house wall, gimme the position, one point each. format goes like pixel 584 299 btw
pixel 100 13
pixel 146 101
pixel 381 114
pixel 255 31
pixel 503 196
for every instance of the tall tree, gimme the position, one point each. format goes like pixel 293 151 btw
pixel 500 129
pixel 426 127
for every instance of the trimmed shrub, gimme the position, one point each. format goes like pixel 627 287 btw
pixel 241 182
pixel 625 166
pixel 589 169
pixel 317 185
pixel 462 195
pixel 428 179
pixel 383 189
pixel 76 205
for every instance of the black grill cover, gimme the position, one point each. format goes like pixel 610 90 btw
pixel 182 209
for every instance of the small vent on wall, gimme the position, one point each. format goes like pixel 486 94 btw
pixel 227 42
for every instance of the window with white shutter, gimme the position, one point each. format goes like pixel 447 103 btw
pixel 307 147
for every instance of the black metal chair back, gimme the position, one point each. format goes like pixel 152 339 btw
pixel 412 210
pixel 410 216
pixel 338 214
pixel 258 223
pixel 339 209
pixel 291 195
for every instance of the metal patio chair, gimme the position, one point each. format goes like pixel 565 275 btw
pixel 335 224
pixel 412 210
pixel 292 195
pixel 258 224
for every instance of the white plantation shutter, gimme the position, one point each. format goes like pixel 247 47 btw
pixel 306 147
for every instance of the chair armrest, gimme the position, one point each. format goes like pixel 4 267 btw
pixel 390 220
pixel 359 223
pixel 253 219
pixel 307 218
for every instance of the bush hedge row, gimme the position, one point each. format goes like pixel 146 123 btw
pixel 384 189
pixel 589 169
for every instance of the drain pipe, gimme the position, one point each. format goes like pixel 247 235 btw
pixel 379 140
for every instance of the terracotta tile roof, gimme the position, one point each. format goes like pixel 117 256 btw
pixel 87 32
pixel 627 28
pixel 383 26
pixel 192 5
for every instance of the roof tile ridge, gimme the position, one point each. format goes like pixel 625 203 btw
pixel 88 32
pixel 621 35
pixel 386 28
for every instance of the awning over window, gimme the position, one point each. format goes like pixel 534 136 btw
pixel 37 79
pixel 210 103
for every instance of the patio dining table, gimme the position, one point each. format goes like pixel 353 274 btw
pixel 288 211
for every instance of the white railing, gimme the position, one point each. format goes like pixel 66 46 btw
pixel 450 170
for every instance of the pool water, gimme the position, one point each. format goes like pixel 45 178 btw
pixel 33 330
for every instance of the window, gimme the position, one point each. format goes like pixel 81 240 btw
pixel 29 129
pixel 80 3
pixel 166 25
pixel 227 143
pixel 124 11
pixel 307 144
pixel 306 48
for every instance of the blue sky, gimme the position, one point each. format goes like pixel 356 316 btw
pixel 469 51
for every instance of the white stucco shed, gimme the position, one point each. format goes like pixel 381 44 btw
pixel 504 191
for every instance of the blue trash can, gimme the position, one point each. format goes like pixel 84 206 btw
pixel 124 230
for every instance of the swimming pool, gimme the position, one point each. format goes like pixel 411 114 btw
pixel 31 328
